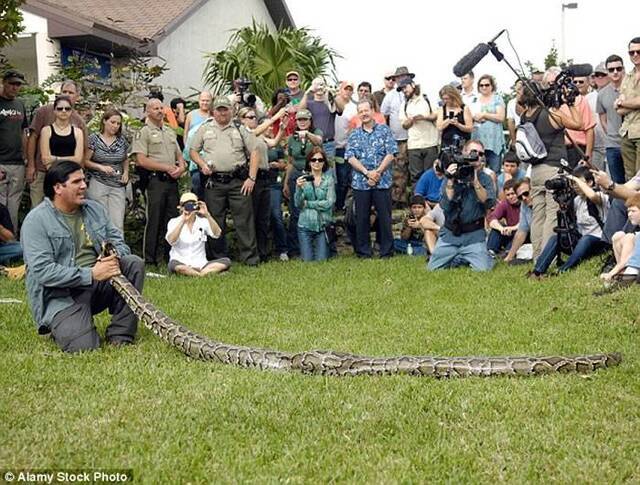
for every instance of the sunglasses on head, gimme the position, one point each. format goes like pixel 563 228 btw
pixel 523 195
pixel 317 159
pixel 634 52
pixel 63 108
pixel 615 69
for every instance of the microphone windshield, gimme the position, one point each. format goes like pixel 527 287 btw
pixel 468 62
pixel 580 70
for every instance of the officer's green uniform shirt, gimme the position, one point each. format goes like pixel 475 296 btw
pixel 160 144
pixel 224 146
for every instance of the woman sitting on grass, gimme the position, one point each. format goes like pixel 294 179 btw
pixel 625 249
pixel 187 235
pixel 315 196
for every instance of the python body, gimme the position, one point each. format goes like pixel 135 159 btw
pixel 325 362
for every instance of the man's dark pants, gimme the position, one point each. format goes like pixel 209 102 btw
pixel 162 205
pixel 227 196
pixel 261 197
pixel 72 329
pixel 381 201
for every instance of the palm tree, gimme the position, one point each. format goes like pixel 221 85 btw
pixel 264 57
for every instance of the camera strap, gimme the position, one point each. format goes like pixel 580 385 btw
pixel 594 212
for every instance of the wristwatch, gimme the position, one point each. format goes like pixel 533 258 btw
pixel 253 179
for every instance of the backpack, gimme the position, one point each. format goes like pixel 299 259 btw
pixel 529 145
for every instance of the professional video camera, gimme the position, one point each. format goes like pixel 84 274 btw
pixel 247 98
pixel 563 90
pixel 567 224
pixel 453 154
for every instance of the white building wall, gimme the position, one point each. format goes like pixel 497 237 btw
pixel 206 30
pixel 46 49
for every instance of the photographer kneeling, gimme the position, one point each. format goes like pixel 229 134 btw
pixel 466 196
pixel 187 235
pixel 590 208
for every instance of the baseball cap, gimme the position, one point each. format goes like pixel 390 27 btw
pixel 12 75
pixel 403 83
pixel 600 69
pixel 188 197
pixel 303 114
pixel 221 102
pixel 290 73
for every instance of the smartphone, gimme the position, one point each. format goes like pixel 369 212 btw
pixel 451 115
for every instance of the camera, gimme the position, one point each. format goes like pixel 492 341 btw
pixel 246 97
pixel 190 206
pixel 453 154
pixel 561 91
pixel 563 192
pixel 308 178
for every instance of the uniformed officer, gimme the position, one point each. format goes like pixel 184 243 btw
pixel 229 178
pixel 157 151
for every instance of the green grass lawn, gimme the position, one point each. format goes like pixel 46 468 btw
pixel 175 420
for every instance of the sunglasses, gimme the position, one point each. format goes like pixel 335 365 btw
pixel 579 81
pixel 15 83
pixel 484 85
pixel 634 53
pixel 292 78
pixel 302 119
pixel 318 160
pixel 615 69
pixel 523 195
pixel 599 74
pixel 252 117
pixel 389 78
pixel 63 108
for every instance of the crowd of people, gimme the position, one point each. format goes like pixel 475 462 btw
pixel 471 194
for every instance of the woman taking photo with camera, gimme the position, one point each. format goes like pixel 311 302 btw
pixel 549 125
pixel 454 119
pixel 304 138
pixel 107 161
pixel 315 196
pixel 187 235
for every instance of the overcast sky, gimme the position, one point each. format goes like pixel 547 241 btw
pixel 430 37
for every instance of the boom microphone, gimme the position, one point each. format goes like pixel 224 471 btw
pixel 580 70
pixel 468 62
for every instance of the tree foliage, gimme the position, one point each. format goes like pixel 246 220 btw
pixel 264 57
pixel 10 21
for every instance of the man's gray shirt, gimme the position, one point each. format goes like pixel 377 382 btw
pixel 606 98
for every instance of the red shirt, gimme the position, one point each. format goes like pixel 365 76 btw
pixel 504 210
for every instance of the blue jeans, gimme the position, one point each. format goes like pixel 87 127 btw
pixel 196 184
pixel 10 251
pixel 494 161
pixel 417 246
pixel 313 245
pixel 634 260
pixel 458 252
pixel 587 246
pixel 277 221
pixel 615 164
pixel 343 180
pixel 497 241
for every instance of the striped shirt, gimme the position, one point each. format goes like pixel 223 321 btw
pixel 113 155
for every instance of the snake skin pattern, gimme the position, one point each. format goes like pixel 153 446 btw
pixel 331 363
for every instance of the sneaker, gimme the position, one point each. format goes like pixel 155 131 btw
pixel 284 257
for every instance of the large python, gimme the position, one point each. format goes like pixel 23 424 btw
pixel 326 362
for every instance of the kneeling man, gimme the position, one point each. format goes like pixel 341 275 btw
pixel 67 283
pixel 465 201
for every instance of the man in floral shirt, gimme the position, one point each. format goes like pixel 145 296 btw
pixel 370 152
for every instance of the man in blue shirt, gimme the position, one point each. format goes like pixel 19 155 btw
pixel 370 151
pixel 465 203
pixel 67 282
pixel 430 183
